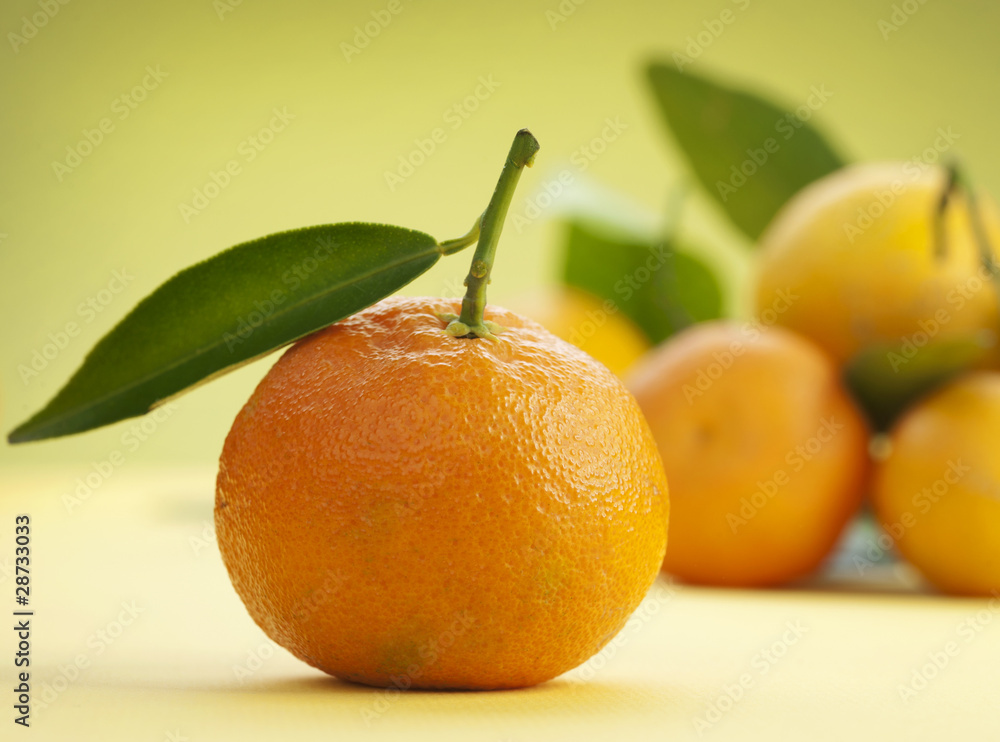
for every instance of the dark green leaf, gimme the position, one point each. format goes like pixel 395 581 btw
pixel 887 379
pixel 661 288
pixel 228 310
pixel 750 154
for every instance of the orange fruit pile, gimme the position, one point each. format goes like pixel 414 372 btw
pixel 397 506
pixel 888 260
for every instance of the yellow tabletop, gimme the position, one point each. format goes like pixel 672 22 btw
pixel 138 635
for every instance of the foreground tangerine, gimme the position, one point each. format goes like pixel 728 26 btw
pixel 937 493
pixel 396 505
pixel 765 452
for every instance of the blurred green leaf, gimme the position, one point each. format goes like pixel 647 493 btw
pixel 661 288
pixel 886 379
pixel 228 310
pixel 750 154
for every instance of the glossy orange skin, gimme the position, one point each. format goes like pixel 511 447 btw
pixel 728 406
pixel 397 506
pixel 937 494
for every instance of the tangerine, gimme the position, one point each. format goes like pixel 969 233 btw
pixel 856 259
pixel 399 506
pixel 765 452
pixel 937 493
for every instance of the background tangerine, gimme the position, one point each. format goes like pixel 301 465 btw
pixel 729 407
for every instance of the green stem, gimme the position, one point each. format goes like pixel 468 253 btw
pixel 958 181
pixel 950 186
pixel 677 313
pixel 976 219
pixel 470 322
pixel 460 243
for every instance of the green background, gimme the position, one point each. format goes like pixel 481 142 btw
pixel 61 242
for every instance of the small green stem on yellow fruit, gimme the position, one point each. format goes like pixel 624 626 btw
pixel 470 322
pixel 986 254
pixel 944 200
pixel 957 181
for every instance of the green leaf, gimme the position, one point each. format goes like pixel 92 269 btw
pixel 723 130
pixel 228 310
pixel 661 288
pixel 886 380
